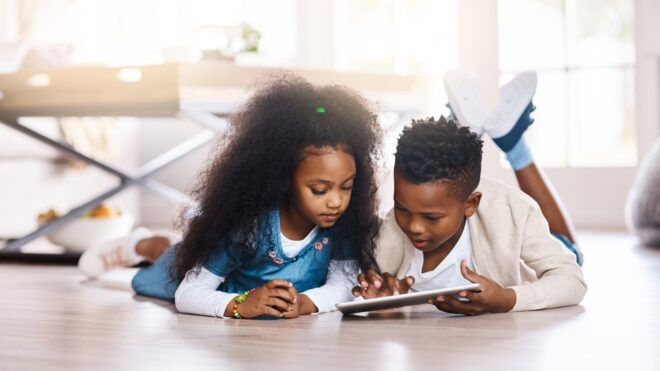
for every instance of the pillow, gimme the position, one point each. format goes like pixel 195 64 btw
pixel 643 204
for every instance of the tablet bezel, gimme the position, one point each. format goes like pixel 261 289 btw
pixel 397 301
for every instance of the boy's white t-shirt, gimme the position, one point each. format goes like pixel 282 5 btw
pixel 448 272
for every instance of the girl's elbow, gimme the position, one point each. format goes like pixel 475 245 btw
pixel 179 300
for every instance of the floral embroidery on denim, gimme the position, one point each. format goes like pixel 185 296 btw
pixel 318 246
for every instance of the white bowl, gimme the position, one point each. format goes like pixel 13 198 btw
pixel 84 232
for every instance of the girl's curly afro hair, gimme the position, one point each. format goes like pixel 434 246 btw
pixel 251 173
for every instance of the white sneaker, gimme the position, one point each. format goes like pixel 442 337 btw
pixel 514 97
pixel 465 99
pixel 106 256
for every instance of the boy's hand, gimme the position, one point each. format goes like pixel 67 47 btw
pixel 272 299
pixel 373 285
pixel 493 298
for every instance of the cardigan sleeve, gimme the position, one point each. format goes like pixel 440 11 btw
pixel 560 280
pixel 390 247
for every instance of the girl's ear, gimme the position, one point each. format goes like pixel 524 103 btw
pixel 472 204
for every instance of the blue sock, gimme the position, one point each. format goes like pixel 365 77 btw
pixel 520 156
pixel 510 139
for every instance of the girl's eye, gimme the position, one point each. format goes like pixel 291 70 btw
pixel 346 188
pixel 317 192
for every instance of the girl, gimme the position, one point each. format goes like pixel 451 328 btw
pixel 287 211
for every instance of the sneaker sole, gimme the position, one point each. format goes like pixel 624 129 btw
pixel 456 81
pixel 523 88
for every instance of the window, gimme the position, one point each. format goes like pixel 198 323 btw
pixel 584 53
pixel 127 32
pixel 396 36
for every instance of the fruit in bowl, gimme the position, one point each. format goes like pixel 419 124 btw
pixel 102 223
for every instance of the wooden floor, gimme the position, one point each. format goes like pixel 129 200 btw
pixel 51 319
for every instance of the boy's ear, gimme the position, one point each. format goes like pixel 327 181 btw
pixel 472 203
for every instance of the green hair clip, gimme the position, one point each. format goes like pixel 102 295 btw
pixel 320 109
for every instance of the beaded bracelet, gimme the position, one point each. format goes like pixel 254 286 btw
pixel 240 299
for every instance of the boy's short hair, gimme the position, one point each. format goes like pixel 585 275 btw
pixel 440 151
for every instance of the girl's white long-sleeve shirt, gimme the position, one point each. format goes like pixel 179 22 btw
pixel 198 294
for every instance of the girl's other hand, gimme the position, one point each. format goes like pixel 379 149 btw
pixel 492 298
pixel 272 299
pixel 303 305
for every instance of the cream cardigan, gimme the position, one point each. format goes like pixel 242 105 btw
pixel 511 244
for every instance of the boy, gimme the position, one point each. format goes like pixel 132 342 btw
pixel 449 227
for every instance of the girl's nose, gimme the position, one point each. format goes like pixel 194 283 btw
pixel 334 200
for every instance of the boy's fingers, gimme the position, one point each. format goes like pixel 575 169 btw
pixel 473 297
pixel 406 283
pixel 374 278
pixel 375 292
pixel 392 283
pixel 278 283
pixel 441 303
pixel 357 291
pixel 362 280
pixel 468 274
pixel 451 305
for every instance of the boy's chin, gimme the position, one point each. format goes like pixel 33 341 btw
pixel 427 246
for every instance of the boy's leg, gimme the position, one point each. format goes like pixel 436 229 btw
pixel 509 125
pixel 533 182
pixel 506 126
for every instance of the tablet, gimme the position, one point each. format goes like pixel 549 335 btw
pixel 402 300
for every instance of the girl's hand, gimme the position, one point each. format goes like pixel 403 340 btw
pixel 272 299
pixel 493 298
pixel 373 285
pixel 302 305
pixel 296 308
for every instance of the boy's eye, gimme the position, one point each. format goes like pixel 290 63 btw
pixel 399 208
pixel 432 217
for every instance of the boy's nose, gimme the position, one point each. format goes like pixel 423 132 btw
pixel 415 227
